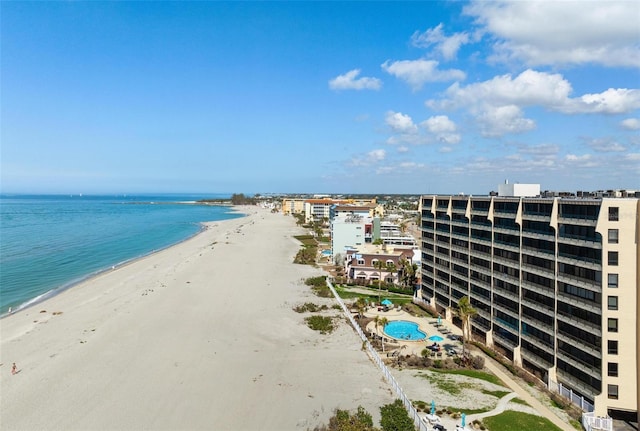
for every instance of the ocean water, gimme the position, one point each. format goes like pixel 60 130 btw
pixel 49 243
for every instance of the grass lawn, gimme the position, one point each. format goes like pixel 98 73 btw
pixel 518 421
pixel 345 293
pixel 474 374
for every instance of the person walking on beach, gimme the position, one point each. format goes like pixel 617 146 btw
pixel 14 369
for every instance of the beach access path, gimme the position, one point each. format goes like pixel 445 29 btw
pixel 200 336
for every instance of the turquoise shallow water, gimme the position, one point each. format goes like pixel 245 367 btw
pixel 48 243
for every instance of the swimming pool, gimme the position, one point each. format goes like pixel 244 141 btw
pixel 403 330
pixel 326 253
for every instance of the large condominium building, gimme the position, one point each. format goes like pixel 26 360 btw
pixel 554 281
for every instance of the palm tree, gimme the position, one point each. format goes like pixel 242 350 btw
pixel 361 305
pixel 379 265
pixel 465 312
pixel 391 268
pixel 383 321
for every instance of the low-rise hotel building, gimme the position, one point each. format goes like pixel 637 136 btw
pixel 555 283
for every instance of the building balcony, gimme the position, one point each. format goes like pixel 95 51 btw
pixel 580 241
pixel 574 301
pixel 538 235
pixel 589 264
pixel 537 217
pixel 544 272
pixel 508 231
pixel 506 310
pixel 460 223
pixel 588 369
pixel 579 344
pixel 579 281
pixel 480 324
pixel 506 262
pixel 579 323
pixel 481 269
pixel 481 226
pixel 485 241
pixel 577 385
pixel 577 221
pixel 536 360
pixel 537 342
pixel 506 294
pixel 479 212
pixel 545 327
pixel 504 341
pixel 506 246
pixel 506 277
pixel 543 290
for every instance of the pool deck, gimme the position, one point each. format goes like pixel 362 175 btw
pixel 428 325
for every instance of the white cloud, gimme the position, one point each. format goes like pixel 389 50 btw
pixel 540 149
pixel 575 158
pixel 497 103
pixel 350 81
pixel 502 120
pixel 400 123
pixel 418 72
pixel 403 149
pixel 632 157
pixel 370 158
pixel 447 46
pixel 439 124
pixel 561 32
pixel 606 145
pixel 611 101
pixel 631 123
pixel 443 128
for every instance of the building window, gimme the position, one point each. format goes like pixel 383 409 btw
pixel 612 347
pixel 613 236
pixel 612 281
pixel 612 391
pixel 612 368
pixel 360 261
pixel 612 325
pixel 613 258
pixel 613 213
pixel 612 302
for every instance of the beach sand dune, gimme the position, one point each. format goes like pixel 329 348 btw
pixel 200 336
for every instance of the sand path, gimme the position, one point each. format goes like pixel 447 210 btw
pixel 199 336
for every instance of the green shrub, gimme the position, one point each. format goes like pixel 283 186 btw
pixel 320 323
pixel 309 306
pixel 345 421
pixel 394 417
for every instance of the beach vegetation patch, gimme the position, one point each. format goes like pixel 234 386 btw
pixel 394 417
pixel 342 420
pixel 309 306
pixel 323 324
pixel 514 420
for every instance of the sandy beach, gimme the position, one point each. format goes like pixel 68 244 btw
pixel 198 336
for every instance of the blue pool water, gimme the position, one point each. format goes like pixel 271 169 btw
pixel 326 252
pixel 403 330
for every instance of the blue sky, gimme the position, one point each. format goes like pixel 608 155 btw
pixel 323 97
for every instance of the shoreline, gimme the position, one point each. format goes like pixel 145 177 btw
pixel 51 293
pixel 191 337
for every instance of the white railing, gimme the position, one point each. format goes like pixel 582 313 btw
pixel 576 399
pixel 373 354
pixel 591 422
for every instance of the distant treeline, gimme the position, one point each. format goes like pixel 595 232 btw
pixel 236 199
